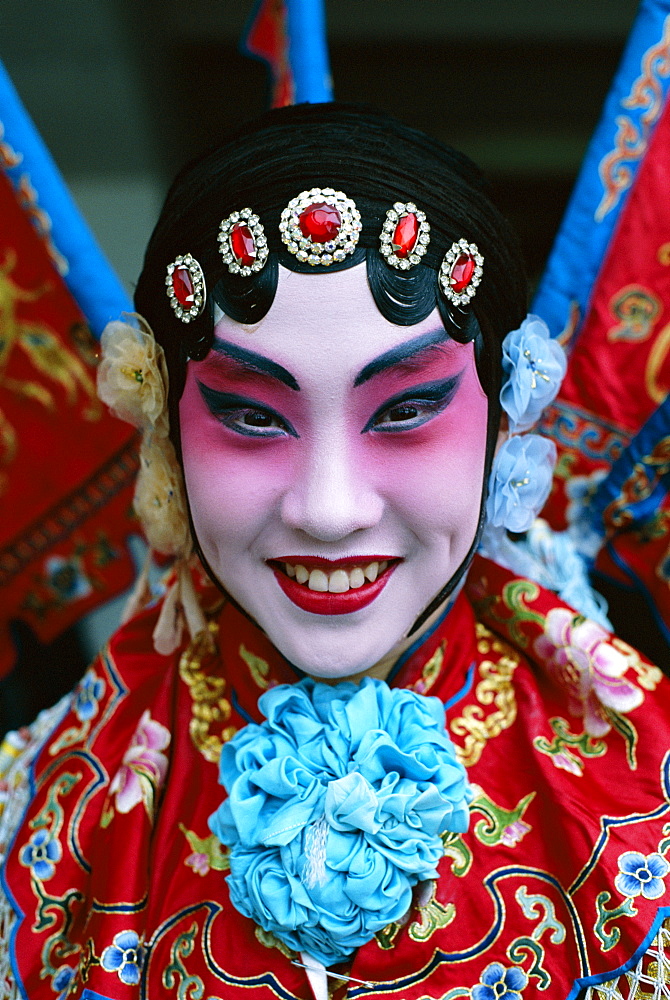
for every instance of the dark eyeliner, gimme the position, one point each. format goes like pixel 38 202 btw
pixel 221 404
pixel 437 395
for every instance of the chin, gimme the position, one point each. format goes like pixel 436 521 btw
pixel 334 658
pixel 339 645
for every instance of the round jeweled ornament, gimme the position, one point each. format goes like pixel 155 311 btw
pixel 242 243
pixel 320 226
pixel 461 272
pixel 405 236
pixel 185 283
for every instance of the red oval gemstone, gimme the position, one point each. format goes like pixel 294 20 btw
pixel 462 271
pixel 320 222
pixel 405 235
pixel 243 244
pixel 182 286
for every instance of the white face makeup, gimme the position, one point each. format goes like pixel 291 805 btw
pixel 334 464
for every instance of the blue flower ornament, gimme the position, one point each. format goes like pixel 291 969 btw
pixel 521 475
pixel 534 365
pixel 520 481
pixel 335 807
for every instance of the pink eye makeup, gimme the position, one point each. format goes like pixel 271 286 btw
pixel 414 407
pixel 244 415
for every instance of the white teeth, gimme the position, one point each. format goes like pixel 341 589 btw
pixel 317 580
pixel 338 582
pixel 372 572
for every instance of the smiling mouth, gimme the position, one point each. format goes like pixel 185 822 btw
pixel 333 588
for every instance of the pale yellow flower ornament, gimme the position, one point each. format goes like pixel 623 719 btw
pixel 159 497
pixel 133 382
pixel 132 375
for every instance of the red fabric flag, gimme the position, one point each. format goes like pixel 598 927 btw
pixel 66 466
pixel 267 39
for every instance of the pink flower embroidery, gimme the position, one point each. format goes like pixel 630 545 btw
pixel 144 767
pixel 515 832
pixel 199 862
pixel 589 667
pixel 568 762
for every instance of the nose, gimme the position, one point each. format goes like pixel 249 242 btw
pixel 330 497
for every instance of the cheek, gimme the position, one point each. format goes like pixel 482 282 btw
pixel 435 476
pixel 232 486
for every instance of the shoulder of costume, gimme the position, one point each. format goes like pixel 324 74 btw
pixel 523 612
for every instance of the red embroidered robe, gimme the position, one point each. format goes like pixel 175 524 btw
pixel 118 887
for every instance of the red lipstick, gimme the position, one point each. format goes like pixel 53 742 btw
pixel 320 603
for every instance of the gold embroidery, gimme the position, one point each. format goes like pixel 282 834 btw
pixel 637 309
pixel 210 708
pixel 649 677
pixel 258 668
pixel 495 688
pixel 656 389
pixel 431 670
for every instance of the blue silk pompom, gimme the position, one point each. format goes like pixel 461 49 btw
pixel 335 808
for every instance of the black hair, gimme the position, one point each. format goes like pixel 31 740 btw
pixel 376 161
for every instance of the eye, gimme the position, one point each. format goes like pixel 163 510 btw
pixel 245 416
pixel 398 414
pixel 257 423
pixel 415 407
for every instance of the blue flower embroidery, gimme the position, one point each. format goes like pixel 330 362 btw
pixel 87 695
pixel 67 579
pixel 62 980
pixel 41 854
pixel 497 982
pixel 124 956
pixel 641 876
pixel 336 804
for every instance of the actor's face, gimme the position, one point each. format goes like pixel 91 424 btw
pixel 334 464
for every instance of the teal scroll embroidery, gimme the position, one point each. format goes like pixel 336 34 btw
pixel 524 947
pixel 531 905
pixel 626 909
pixel 176 976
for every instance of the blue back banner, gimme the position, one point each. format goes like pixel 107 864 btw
pixel 47 201
pixel 631 111
pixel 290 36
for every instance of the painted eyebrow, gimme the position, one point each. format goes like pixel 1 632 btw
pixel 400 353
pixel 255 362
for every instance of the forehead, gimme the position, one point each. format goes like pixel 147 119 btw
pixel 326 325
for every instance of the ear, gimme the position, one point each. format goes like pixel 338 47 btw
pixel 503 431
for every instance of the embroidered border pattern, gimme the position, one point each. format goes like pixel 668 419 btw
pixel 630 142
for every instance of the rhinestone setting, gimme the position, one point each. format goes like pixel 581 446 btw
pixel 461 259
pixel 401 257
pixel 185 285
pixel 231 237
pixel 310 251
